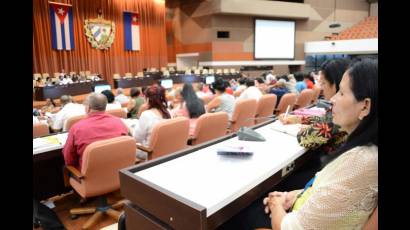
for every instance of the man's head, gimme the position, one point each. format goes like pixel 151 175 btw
pixel 95 102
pixel 65 99
pixel 120 91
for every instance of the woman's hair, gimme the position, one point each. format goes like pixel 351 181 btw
pixel 250 82
pixel 242 80
pixel 194 105
pixel 364 84
pixel 333 70
pixel 135 92
pixel 260 80
pixel 220 85
pixel 109 95
pixel 156 99
pixel 298 76
pixel 308 76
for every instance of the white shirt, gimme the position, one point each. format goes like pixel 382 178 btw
pixel 66 81
pixel 269 78
pixel 112 106
pixel 251 93
pixel 201 94
pixel 142 132
pixel 121 98
pixel 69 110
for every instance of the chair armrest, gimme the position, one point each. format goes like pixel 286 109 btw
pixel 144 148
pixel 74 173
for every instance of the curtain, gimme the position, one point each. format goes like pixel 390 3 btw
pixel 153 52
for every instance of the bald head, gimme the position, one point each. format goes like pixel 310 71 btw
pixel 120 91
pixel 64 99
pixel 96 101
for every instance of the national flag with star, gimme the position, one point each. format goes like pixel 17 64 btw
pixel 132 31
pixel 61 18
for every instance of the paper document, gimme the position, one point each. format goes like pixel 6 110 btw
pixel 291 129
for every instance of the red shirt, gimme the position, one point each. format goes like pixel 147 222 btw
pixel 309 84
pixel 229 91
pixel 97 126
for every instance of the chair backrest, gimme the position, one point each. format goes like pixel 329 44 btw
pixel 72 120
pixel 87 73
pixel 204 71
pixel 45 75
pixel 171 69
pixel 72 73
pixel 36 76
pixel 56 74
pixel 218 71
pixel 128 75
pixel 232 71
pixel 304 98
pixel 210 126
pixel 211 71
pixel 316 93
pixel 168 136
pixel 372 222
pixel 40 129
pixel 286 99
pixel 102 161
pixel 82 73
pixel 243 114
pixel 226 71
pixel 197 72
pixel 117 112
pixel 266 107
pixel 116 76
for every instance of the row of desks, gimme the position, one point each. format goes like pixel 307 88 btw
pixel 56 91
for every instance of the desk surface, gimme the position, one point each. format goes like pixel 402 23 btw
pixel 49 143
pixel 213 181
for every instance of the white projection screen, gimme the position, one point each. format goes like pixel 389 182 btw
pixel 274 39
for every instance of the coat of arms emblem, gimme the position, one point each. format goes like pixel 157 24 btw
pixel 100 33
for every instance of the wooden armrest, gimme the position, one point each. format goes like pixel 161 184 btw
pixel 74 173
pixel 144 148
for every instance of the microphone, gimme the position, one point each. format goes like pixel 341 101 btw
pixel 248 134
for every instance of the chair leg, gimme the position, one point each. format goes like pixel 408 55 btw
pixel 90 222
pixel 79 211
pixel 113 214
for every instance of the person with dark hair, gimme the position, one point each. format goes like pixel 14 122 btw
pixel 156 111
pixel 261 85
pixel 344 193
pixel 309 81
pixel 241 87
pixel 135 103
pixel 97 126
pixel 251 91
pixel 279 89
pixel 300 84
pixel 112 104
pixel 222 101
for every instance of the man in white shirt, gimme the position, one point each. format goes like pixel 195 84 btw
pixel 270 77
pixel 251 92
pixel 121 98
pixel 68 109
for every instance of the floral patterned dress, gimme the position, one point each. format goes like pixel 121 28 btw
pixel 321 133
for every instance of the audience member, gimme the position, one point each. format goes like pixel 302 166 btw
pixel 121 98
pixel 222 101
pixel 68 109
pixel 251 92
pixel 112 104
pixel 135 103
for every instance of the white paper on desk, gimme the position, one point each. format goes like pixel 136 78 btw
pixel 41 143
pixel 62 138
pixel 291 129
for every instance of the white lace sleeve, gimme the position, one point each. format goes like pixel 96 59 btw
pixel 344 196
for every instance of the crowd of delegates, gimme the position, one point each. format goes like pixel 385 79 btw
pixel 345 138
pixel 63 79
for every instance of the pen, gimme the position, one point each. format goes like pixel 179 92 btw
pixel 287 111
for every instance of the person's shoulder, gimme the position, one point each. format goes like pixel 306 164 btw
pixel 366 156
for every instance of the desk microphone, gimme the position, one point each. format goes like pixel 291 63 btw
pixel 248 134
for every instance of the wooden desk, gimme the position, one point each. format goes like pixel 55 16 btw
pixel 48 163
pixel 198 189
pixel 56 91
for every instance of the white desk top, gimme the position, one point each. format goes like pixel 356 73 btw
pixel 214 181
pixel 49 143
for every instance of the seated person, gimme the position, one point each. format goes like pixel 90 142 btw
pixel 135 103
pixel 241 87
pixel 309 81
pixel 156 111
pixel 177 99
pixel 345 192
pixel 260 84
pixel 251 91
pixel 50 106
pixel 270 78
pixel 110 98
pixel 68 109
pixel 300 83
pixel 121 98
pixel 192 107
pixel 279 89
pixel 321 131
pixel 221 101
pixel 199 87
pixel 97 126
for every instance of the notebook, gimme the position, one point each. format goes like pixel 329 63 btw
pixel 291 129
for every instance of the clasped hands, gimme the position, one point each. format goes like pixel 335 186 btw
pixel 282 200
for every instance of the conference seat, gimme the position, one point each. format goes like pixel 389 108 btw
pixel 205 71
pixel 140 74
pixel 40 129
pixel 118 113
pixel 167 136
pixel 128 75
pixel 72 120
pixel 116 76
pixel 210 126
pixel 87 73
pixel 243 114
pixel 99 175
pixel 304 98
pixel 211 71
pixel 286 100
pixel 36 76
pixel 266 107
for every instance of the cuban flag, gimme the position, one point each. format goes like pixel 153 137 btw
pixel 61 17
pixel 132 31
